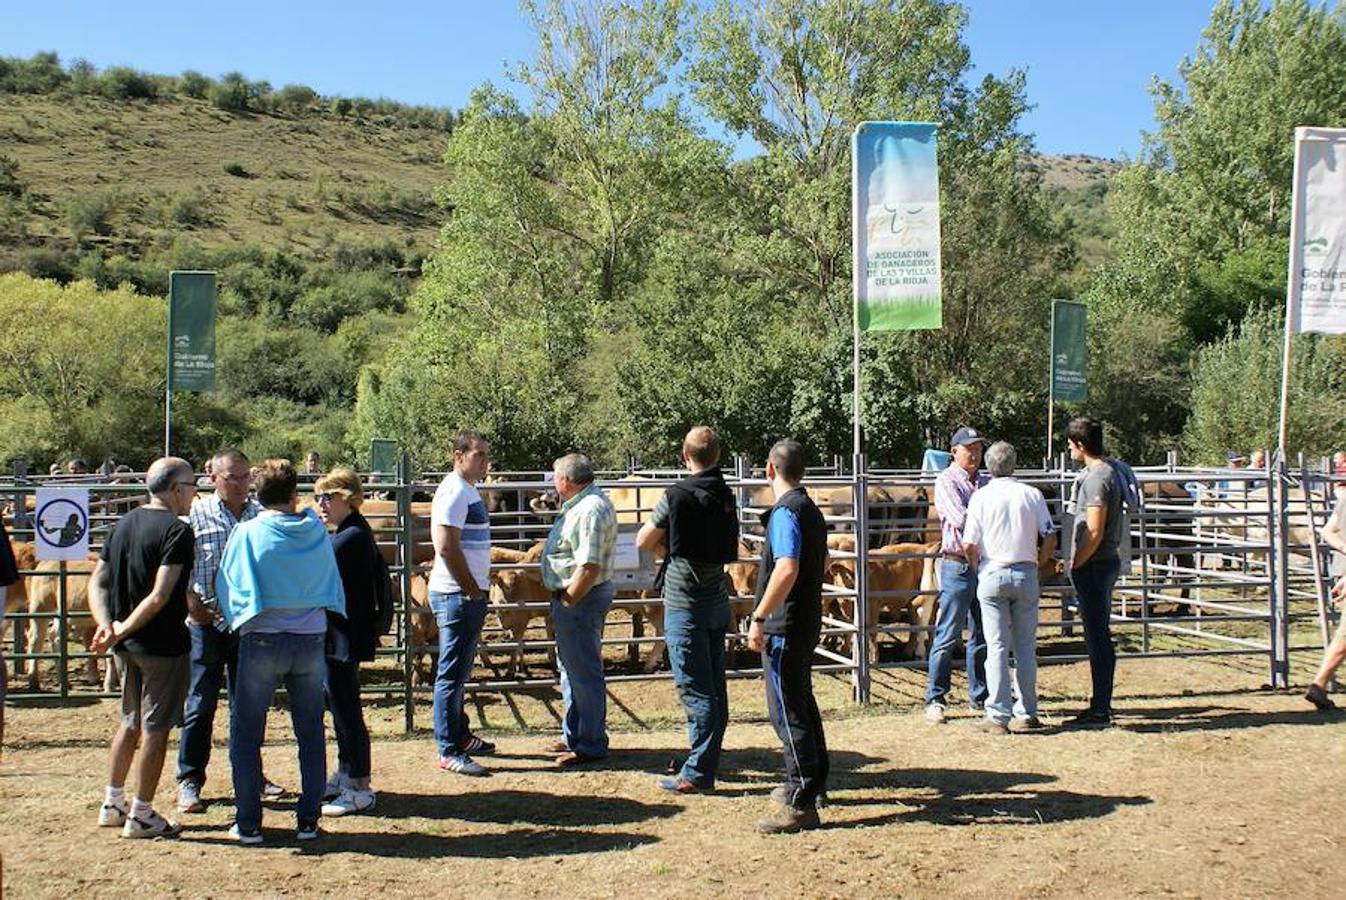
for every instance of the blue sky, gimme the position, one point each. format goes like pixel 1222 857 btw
pixel 1089 63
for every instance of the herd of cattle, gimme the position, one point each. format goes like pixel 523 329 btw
pixel 903 548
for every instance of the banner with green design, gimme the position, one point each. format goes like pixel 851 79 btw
pixel 191 331
pixel 895 226
pixel 1070 353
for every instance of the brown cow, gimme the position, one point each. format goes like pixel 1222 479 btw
pixel 16 598
pixel 510 589
pixel 43 597
pixel 902 569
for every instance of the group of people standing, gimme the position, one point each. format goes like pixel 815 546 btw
pixel 996 534
pixel 240 588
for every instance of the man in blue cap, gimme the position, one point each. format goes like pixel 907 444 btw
pixel 958 581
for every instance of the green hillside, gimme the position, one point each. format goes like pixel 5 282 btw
pixel 130 176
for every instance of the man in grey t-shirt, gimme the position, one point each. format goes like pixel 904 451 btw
pixel 1096 503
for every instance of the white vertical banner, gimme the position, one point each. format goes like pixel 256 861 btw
pixel 1316 299
pixel 61 526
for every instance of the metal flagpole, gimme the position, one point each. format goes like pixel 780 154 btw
pixel 1051 380
pixel 857 274
pixel 168 380
pixel 1291 296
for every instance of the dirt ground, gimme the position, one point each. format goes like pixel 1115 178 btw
pixel 1208 785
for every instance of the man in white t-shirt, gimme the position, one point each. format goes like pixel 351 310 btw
pixel 1007 535
pixel 461 530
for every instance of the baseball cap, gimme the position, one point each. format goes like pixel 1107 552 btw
pixel 1234 456
pixel 964 436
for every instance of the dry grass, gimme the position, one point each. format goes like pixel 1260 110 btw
pixel 1207 787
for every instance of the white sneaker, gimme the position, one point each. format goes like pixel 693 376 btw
pixel 151 826
pixel 307 831
pixel 249 838
pixel 335 786
pixel 350 801
pixel 112 815
pixel 462 764
pixel 189 797
pixel 934 713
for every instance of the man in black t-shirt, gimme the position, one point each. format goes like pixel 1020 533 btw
pixel 138 597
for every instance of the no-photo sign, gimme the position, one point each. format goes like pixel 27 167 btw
pixel 61 527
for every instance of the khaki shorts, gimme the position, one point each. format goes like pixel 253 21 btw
pixel 154 689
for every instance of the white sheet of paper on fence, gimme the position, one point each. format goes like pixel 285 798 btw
pixel 61 526
pixel 628 555
pixel 1318 258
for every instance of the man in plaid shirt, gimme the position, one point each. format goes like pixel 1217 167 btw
pixel 214 649
pixel 577 563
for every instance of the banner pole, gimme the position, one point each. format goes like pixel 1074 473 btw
pixel 857 274
pixel 168 378
pixel 1051 381
pixel 1291 295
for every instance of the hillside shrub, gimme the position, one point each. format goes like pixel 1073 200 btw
pixel 195 85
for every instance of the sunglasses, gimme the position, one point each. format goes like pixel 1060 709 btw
pixel 324 497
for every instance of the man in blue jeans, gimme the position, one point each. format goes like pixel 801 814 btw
pixel 695 528
pixel 957 581
pixel 1095 560
pixel 214 648
pixel 577 564
pixel 461 531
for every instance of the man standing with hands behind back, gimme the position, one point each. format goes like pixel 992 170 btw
pixel 138 597
pixel 786 625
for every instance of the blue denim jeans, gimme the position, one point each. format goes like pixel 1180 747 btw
pixel 214 656
pixel 579 650
pixel 957 607
pixel 264 662
pixel 788 670
pixel 1093 583
pixel 348 717
pixel 460 620
pixel 695 640
pixel 1009 611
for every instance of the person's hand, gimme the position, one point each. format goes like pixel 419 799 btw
pixel 756 637
pixel 198 612
pixel 104 638
pixel 1339 590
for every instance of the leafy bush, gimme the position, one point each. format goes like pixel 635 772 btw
pixel 91 214
pixel 41 74
pixel 297 97
pixel 10 185
pixel 235 168
pixel 231 93
pixel 341 106
pixel 123 83
pixel 195 85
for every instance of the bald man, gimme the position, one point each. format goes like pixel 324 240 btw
pixel 138 597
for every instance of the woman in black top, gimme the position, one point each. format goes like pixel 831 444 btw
pixel 351 640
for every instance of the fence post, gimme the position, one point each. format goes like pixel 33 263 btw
pixel 1279 526
pixel 860 645
pixel 406 545
pixel 62 631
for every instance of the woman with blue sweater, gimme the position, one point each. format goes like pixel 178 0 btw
pixel 351 639
pixel 277 580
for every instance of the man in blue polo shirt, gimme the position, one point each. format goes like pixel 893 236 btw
pixel 786 625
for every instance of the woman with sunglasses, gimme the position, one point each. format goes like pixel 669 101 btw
pixel 351 639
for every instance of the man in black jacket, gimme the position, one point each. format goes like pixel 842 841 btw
pixel 786 623
pixel 695 528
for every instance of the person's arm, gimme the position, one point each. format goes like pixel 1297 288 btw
pixel 652 539
pixel 449 547
pixel 972 533
pixel 164 580
pixel 1095 520
pixel 948 505
pixel 1331 532
pixel 98 601
pixel 783 578
pixel 580 584
pixel 653 535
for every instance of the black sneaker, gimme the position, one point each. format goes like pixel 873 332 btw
pixel 1090 718
pixel 1318 697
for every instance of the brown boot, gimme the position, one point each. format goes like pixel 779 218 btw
pixel 788 820
pixel 1318 697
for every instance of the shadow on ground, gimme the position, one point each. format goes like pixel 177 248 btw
pixel 517 843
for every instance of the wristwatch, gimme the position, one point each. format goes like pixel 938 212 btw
pixel 760 620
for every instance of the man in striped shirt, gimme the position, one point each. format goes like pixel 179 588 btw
pixel 214 649
pixel 957 580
